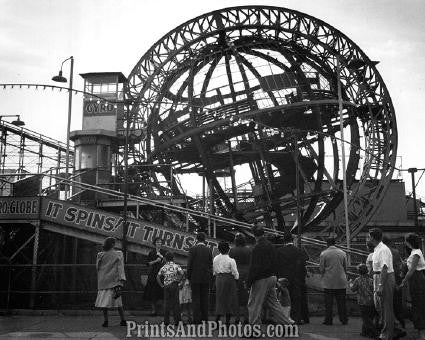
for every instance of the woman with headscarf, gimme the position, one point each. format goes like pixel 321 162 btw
pixel 153 292
pixel 110 280
pixel 415 277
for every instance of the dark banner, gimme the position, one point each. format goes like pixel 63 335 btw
pixel 19 208
pixel 107 224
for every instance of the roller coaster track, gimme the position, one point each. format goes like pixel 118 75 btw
pixel 21 149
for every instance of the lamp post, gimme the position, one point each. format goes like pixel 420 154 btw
pixel 17 122
pixel 344 178
pixel 354 65
pixel 61 79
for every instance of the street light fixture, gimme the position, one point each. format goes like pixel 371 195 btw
pixel 61 79
pixel 17 122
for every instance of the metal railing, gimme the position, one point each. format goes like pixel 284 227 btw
pixel 62 286
pixel 74 286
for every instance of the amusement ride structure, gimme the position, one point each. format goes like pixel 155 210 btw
pixel 237 117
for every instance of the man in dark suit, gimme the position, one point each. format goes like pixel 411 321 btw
pixel 262 280
pixel 199 272
pixel 333 268
pixel 291 262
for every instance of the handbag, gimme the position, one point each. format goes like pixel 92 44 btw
pixel 117 292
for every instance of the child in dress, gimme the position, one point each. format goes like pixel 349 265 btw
pixel 185 298
pixel 284 297
pixel 363 286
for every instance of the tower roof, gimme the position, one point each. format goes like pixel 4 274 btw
pixel 100 77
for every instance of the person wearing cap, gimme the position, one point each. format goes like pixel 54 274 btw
pixel 262 277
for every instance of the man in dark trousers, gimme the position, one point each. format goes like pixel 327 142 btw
pixel 292 265
pixel 383 283
pixel 199 272
pixel 262 280
pixel 333 268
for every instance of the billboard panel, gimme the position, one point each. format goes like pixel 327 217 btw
pixel 19 208
pixel 107 224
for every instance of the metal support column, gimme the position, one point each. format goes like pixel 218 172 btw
pixel 297 179
pixel 74 262
pixel 171 184
pixel 415 205
pixel 344 177
pixel 125 203
pixel 204 202
pixel 68 125
pixel 232 176
pixel 34 266
pixel 211 209
pixel 2 148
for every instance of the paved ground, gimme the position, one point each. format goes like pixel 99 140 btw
pixel 89 327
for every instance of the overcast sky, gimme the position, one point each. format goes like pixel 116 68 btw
pixel 112 35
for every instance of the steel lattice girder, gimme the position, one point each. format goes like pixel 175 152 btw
pixel 272 34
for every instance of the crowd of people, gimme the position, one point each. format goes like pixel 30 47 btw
pixel 265 283
pixel 379 286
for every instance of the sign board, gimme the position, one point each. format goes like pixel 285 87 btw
pixel 19 208
pixel 98 107
pixel 107 224
pixel 95 221
pixel 102 114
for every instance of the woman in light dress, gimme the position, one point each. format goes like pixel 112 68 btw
pixel 110 280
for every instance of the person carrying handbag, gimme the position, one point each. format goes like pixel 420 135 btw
pixel 110 280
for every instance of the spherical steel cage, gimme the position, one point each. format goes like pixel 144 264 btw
pixel 256 89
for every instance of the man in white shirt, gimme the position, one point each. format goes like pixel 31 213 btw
pixel 226 273
pixel 384 283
